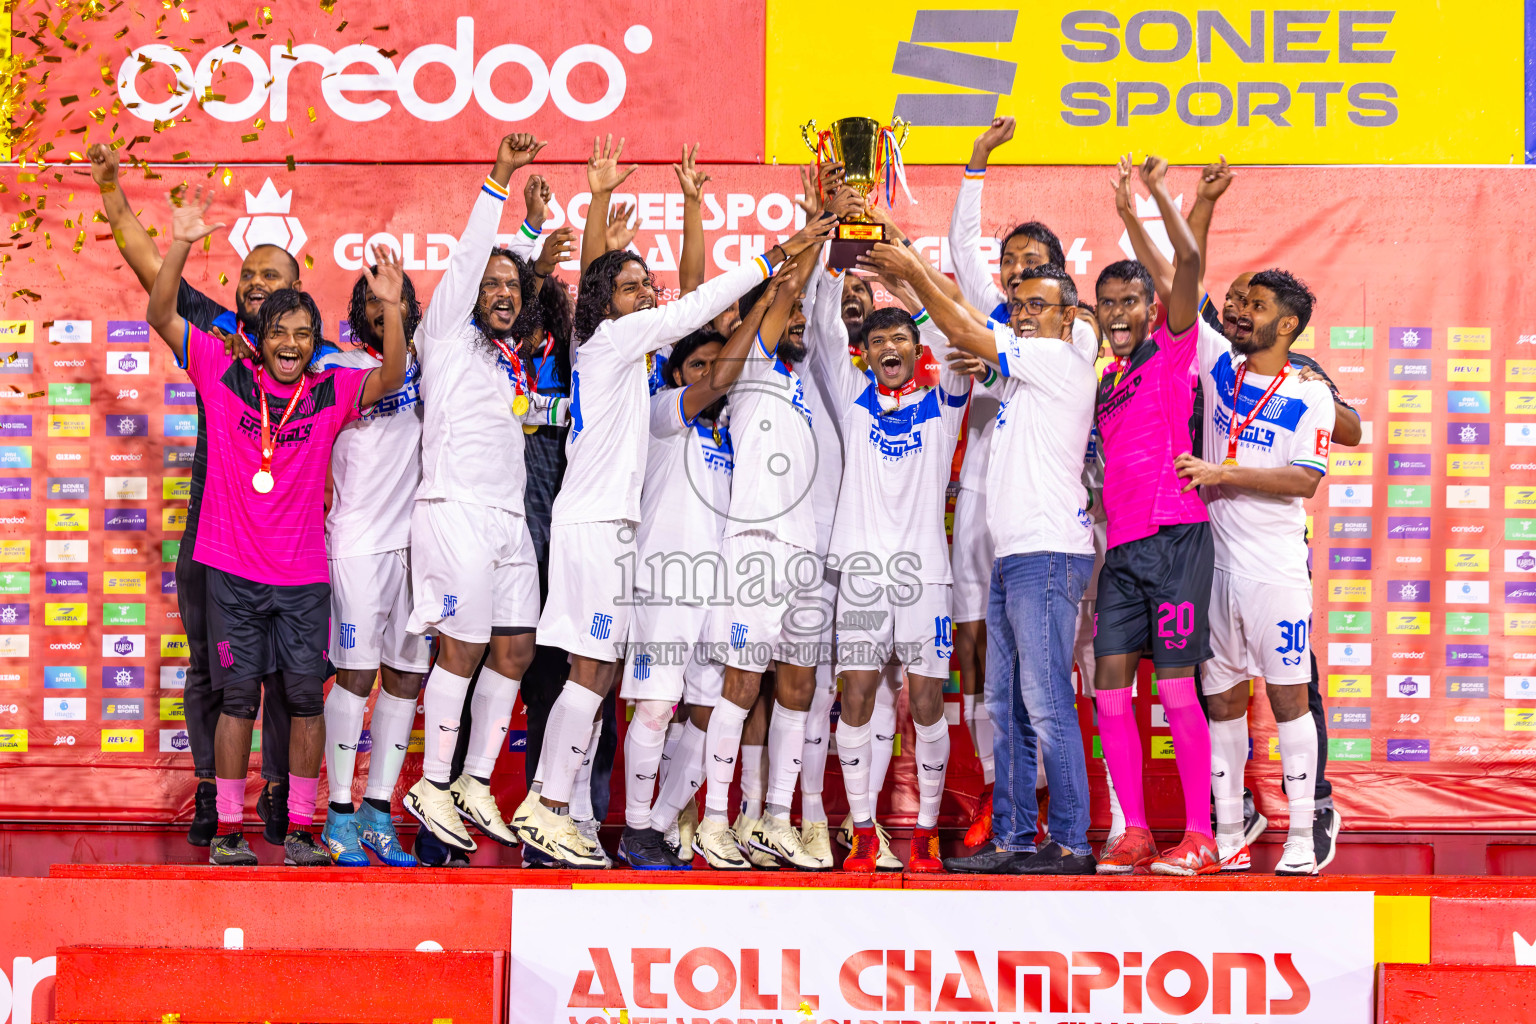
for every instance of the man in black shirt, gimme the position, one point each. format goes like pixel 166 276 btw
pixel 265 269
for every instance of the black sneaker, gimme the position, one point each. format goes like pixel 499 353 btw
pixel 272 809
pixel 432 852
pixel 988 860
pixel 644 849
pixel 1325 829
pixel 1254 823
pixel 1055 859
pixel 205 814
pixel 533 858
pixel 231 851
pixel 301 851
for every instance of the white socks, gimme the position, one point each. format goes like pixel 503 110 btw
pixel 443 702
pixel 722 745
pixel 567 734
pixel 1229 756
pixel 581 785
pixel 813 754
pixel 978 721
pixel 490 714
pixel 754 779
pixel 391 734
pixel 882 741
pixel 853 751
pixel 1298 760
pixel 343 729
pixel 674 734
pixel 932 758
pixel 786 740
pixel 683 778
pixel 644 742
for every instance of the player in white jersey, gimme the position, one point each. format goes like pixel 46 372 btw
pixel 679 572
pixel 618 327
pixel 375 469
pixel 1267 435
pixel 474 579
pixel 889 546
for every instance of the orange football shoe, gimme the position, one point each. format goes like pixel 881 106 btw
pixel 981 825
pixel 1130 850
pixel 925 852
pixel 1196 855
pixel 865 847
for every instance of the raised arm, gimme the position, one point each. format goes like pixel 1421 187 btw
pixel 971 271
pixel 1184 293
pixel 1214 180
pixel 690 263
pixel 187 226
pixel 733 355
pixel 386 282
pixel 826 338
pixel 603 176
pixel 959 327
pixel 138 249
pixel 1147 252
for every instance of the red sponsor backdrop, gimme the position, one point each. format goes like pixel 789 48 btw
pixel 1423 624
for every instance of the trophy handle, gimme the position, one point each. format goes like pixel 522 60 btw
pixel 808 133
pixel 903 126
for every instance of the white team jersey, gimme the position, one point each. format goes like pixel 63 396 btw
pixel 610 399
pixel 375 466
pixel 978 440
pixel 829 443
pixel 896 465
pixel 1261 536
pixel 686 497
pixel 471 441
pixel 1035 495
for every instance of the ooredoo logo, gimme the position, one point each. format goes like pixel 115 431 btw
pixel 471 77
pixel 266 222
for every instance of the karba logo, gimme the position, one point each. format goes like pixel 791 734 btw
pixel 470 77
pixel 1202 980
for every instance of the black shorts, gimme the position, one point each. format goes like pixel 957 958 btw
pixel 1156 592
pixel 261 629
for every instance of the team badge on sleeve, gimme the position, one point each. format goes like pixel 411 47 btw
pixel 1323 439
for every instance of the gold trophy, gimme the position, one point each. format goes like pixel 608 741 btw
pixel 870 154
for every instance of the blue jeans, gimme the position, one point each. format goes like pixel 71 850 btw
pixel 1031 624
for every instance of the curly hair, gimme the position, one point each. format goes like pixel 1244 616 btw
pixel 282 302
pixel 594 299
pixel 550 317
pixel 524 283
pixel 357 311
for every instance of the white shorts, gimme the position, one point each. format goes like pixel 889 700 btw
pixel 912 628
pixel 777 611
pixel 667 658
pixel 472 570
pixel 591 599
pixel 370 608
pixel 1258 630
pixel 970 557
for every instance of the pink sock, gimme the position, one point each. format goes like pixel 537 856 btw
pixel 1191 750
pixel 301 801
pixel 1122 751
pixel 230 799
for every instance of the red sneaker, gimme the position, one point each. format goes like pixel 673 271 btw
pixel 981 825
pixel 925 853
pixel 1196 855
pixel 863 851
pixel 1131 849
pixel 1237 859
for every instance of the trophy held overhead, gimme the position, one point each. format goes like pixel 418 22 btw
pixel 871 155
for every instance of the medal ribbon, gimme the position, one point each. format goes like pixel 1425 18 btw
pixel 1235 429
pixel 898 393
pixel 266 419
pixel 519 380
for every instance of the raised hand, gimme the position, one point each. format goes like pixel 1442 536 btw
pixel 965 364
pixel 846 202
pixel 603 171
pixel 619 231
pixel 536 197
pixel 1153 170
pixel 1123 188
pixel 830 179
pixel 187 217
pixel 814 233
pixel 517 150
pixel 1214 181
pixel 894 262
pixel 104 165
pixel 811 199
pixel 387 278
pixel 1000 131
pixel 689 178
pixel 557 249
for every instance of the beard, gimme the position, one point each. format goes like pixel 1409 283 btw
pixel 488 333
pixel 1259 339
pixel 791 350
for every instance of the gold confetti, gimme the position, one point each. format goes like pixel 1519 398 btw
pixel 236 26
pixel 291 165
pixel 207 243
pixel 171 1018
pixel 806 1011
pixel 36 394
pixel 259 124
pixel 79 242
pixel 309 262
pixel 224 278
pixel 228 176
pixel 341 26
pixel 327 6
pixel 311 115
pixel 248 138
pixel 182 155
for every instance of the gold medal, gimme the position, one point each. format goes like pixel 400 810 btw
pixel 529 428
pixel 715 431
pixel 261 481
pixel 1229 461
pixel 520 405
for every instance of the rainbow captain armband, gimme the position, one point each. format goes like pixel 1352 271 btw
pixel 493 189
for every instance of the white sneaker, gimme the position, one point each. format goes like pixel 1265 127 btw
pixel 475 804
pixel 818 843
pixel 750 840
pixel 781 839
pixel 435 810
pixel 885 860
pixel 687 826
pixel 1299 857
pixel 589 831
pixel 1234 855
pixel 554 835
pixel 716 843
pixel 844 833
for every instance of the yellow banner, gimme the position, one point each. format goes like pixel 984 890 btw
pixel 1367 81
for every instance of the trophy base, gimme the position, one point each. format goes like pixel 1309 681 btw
pixel 853 240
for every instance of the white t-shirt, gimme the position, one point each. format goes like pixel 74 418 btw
pixel 686 497
pixel 610 399
pixel 1035 496
pixel 471 441
pixel 375 466
pixel 829 442
pixel 896 465
pixel 1261 536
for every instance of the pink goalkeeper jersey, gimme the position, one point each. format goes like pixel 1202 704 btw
pixel 277 537
pixel 1144 424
